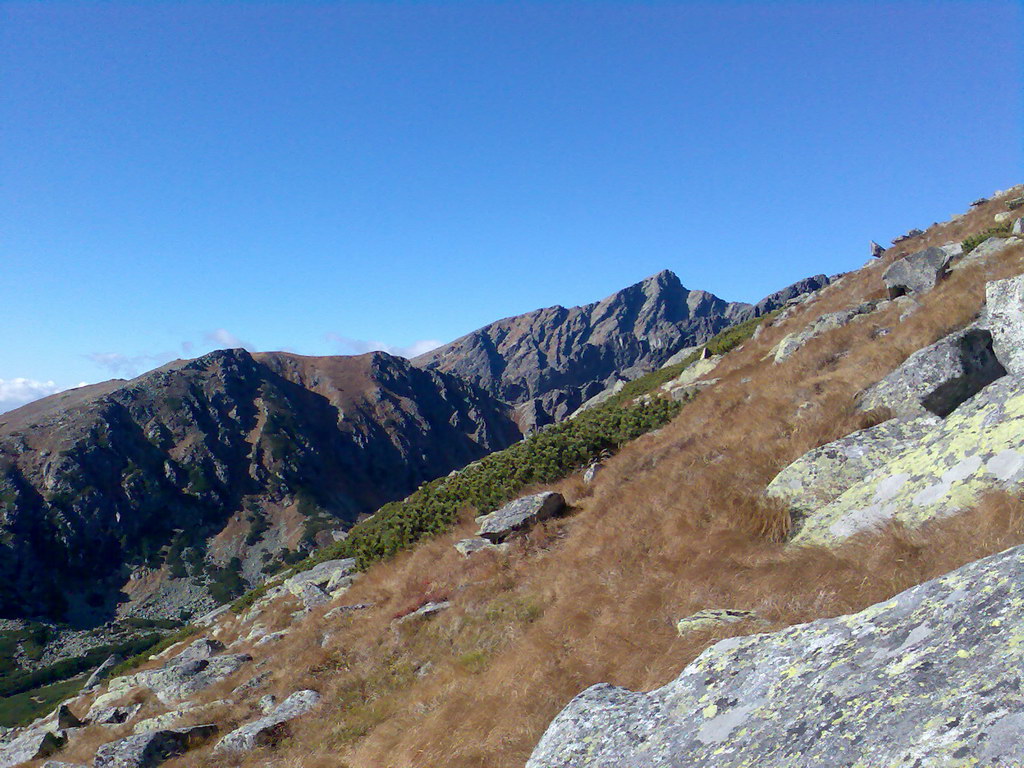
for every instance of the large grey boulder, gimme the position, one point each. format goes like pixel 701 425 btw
pixel 823 474
pixel 877 251
pixel 939 377
pixel 827 322
pixel 145 750
pixel 917 273
pixel 101 673
pixel 520 514
pixel 1004 316
pixel 268 729
pixel 114 715
pixel 31 745
pixel 713 617
pixel 991 247
pixel 327 576
pixel 203 648
pixel 467 547
pixel 977 448
pixel 929 679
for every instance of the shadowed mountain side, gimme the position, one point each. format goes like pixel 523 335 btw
pixel 99 481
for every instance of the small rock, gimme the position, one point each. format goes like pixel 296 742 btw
pixel 319 575
pixel 267 703
pixel 425 611
pixel 273 637
pixel 877 251
pixel 1002 216
pixel 343 610
pixel 519 514
pixel 254 682
pixel 1018 227
pixel 467 547
pixel 712 617
pixel 591 472
pixel 115 715
pixel 979 201
pixel 203 648
pixel 267 729
pixel 149 749
pixel 101 672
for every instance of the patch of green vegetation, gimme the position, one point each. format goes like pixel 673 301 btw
pixel 22 708
pixel 1000 230
pixel 258 525
pixel 474 662
pixel 227 583
pixel 138 623
pixel 197 480
pixel 246 601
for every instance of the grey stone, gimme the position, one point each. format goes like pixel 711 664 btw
pixel 939 377
pixel 979 201
pixel 203 648
pixel 917 273
pixel 591 472
pixel 876 250
pixel 178 679
pixel 312 596
pixel 267 703
pixel 273 637
pixel 823 474
pixel 927 679
pixel 991 247
pixel 319 576
pixel 1004 316
pixel 208 619
pixel 58 764
pixel 1018 227
pixel 978 448
pixel 145 750
pixel 467 547
pixel 101 673
pixel 254 682
pixel 425 611
pixel 713 617
pixel 114 715
pixel 520 514
pixel 267 729
pixel 907 235
pixel 344 610
pixel 31 745
pixel 827 322
pixel 168 719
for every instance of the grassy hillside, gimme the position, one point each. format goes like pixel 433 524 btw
pixel 676 522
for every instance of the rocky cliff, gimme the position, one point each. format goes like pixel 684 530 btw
pixel 175 473
pixel 549 361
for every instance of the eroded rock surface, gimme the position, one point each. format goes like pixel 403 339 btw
pixel 149 749
pixel 520 514
pixel 930 679
pixel 917 273
pixel 265 730
pixel 31 745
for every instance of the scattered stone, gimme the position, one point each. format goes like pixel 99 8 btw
pixel 273 637
pixel 877 251
pixel 791 342
pixel 712 617
pixel 917 273
pixel 145 750
pixel 953 249
pixel 689 375
pixel 1002 216
pixel 168 719
pixel 519 514
pixel 268 729
pixel 208 619
pixel 601 397
pixel 119 688
pixel 939 377
pixel 425 611
pixel 312 596
pixel 57 764
pixel 178 679
pixel 344 610
pixel 987 249
pixel 467 547
pixel 823 474
pixel 1018 227
pixel 101 672
pixel 979 201
pixel 927 679
pixel 254 682
pixel 203 648
pixel 679 356
pixel 267 703
pixel 31 745
pixel 908 235
pixel 591 472
pixel 320 575
pixel 115 715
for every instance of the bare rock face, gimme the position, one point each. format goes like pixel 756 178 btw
pixel 929 679
pixel 31 745
pixel 519 514
pixel 108 475
pixel 550 361
pixel 268 728
pixel 917 273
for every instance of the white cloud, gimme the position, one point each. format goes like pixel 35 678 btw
pixel 15 393
pixel 129 366
pixel 225 339
pixel 350 346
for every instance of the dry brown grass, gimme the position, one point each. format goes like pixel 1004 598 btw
pixel 675 523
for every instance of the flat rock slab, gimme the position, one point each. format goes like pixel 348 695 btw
pixel 467 547
pixel 979 447
pixel 713 617
pixel 178 680
pixel 267 729
pixel 520 514
pixel 320 575
pixel 145 750
pixel 823 474
pixel 31 745
pixel 929 679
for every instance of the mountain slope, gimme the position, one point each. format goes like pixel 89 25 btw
pixel 99 481
pixel 549 361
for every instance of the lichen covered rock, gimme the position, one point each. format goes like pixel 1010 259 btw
pixel 265 730
pixel 979 447
pixel 519 514
pixel 149 749
pixel 930 679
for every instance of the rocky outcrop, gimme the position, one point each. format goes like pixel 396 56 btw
pixel 917 273
pixel 791 342
pixel 710 618
pixel 31 745
pixel 550 361
pixel 179 678
pixel 269 728
pixel 823 474
pixel 99 477
pixel 519 514
pixel 1004 317
pixel 101 672
pixel 929 679
pixel 939 377
pixel 978 447
pixel 150 749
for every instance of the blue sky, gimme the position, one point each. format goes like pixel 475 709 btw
pixel 333 177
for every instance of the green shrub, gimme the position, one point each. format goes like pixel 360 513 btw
pixel 1001 230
